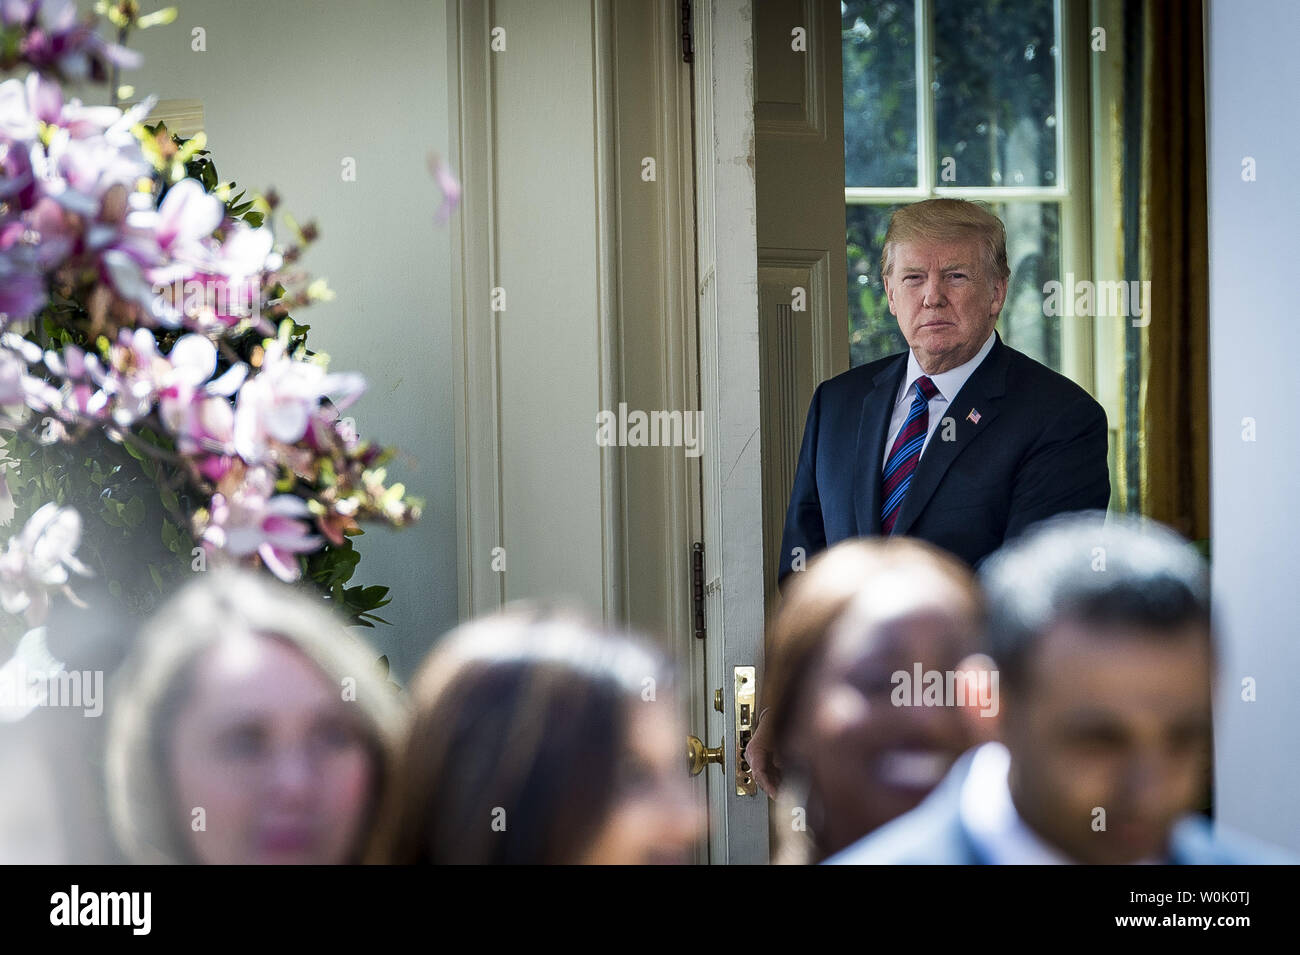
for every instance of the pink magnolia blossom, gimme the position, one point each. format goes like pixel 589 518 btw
pixel 79 209
pixel 55 40
pixel 22 290
pixel 253 520
pixel 138 372
pixel 245 251
pixel 450 187
pixel 37 560
pixel 182 227
pixel 80 395
pixel 12 372
pixel 80 172
pixel 196 408
pixel 277 404
pixel 35 393
pixel 221 284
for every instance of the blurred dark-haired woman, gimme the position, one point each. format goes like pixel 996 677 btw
pixel 841 750
pixel 538 739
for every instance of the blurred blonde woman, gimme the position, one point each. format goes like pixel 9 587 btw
pixel 248 726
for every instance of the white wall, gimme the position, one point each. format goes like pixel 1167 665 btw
pixel 1252 72
pixel 289 88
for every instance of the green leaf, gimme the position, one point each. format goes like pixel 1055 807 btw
pixel 171 537
pixel 133 513
pixel 367 598
pixel 111 513
pixel 165 15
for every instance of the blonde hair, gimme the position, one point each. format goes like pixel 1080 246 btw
pixel 946 220
pixel 221 604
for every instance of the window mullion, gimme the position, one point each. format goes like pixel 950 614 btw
pixel 926 131
pixel 870 194
pixel 1073 173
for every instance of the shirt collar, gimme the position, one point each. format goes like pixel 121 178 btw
pixel 948 382
pixel 990 818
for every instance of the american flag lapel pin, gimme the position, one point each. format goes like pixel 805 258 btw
pixel 973 417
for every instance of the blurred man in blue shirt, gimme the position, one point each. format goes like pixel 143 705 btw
pixel 1102 637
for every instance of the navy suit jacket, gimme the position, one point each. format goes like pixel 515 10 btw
pixel 933 834
pixel 1038 449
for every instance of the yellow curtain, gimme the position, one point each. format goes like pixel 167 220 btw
pixel 1173 441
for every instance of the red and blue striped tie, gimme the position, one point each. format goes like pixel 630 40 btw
pixel 906 452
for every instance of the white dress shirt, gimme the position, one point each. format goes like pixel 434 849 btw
pixel 990 818
pixel 948 384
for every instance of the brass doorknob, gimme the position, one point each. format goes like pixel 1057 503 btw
pixel 700 755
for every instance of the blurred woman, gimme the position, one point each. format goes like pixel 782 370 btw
pixel 844 756
pixel 538 739
pixel 248 726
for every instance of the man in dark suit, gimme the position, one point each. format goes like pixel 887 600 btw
pixel 1100 747
pixel 961 441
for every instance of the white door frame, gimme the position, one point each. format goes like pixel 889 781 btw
pixel 727 256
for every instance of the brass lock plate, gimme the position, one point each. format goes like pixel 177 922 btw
pixel 746 698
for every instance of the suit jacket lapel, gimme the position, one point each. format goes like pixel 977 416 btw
pixel 986 383
pixel 873 428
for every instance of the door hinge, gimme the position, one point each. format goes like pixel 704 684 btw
pixel 697 587
pixel 688 51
